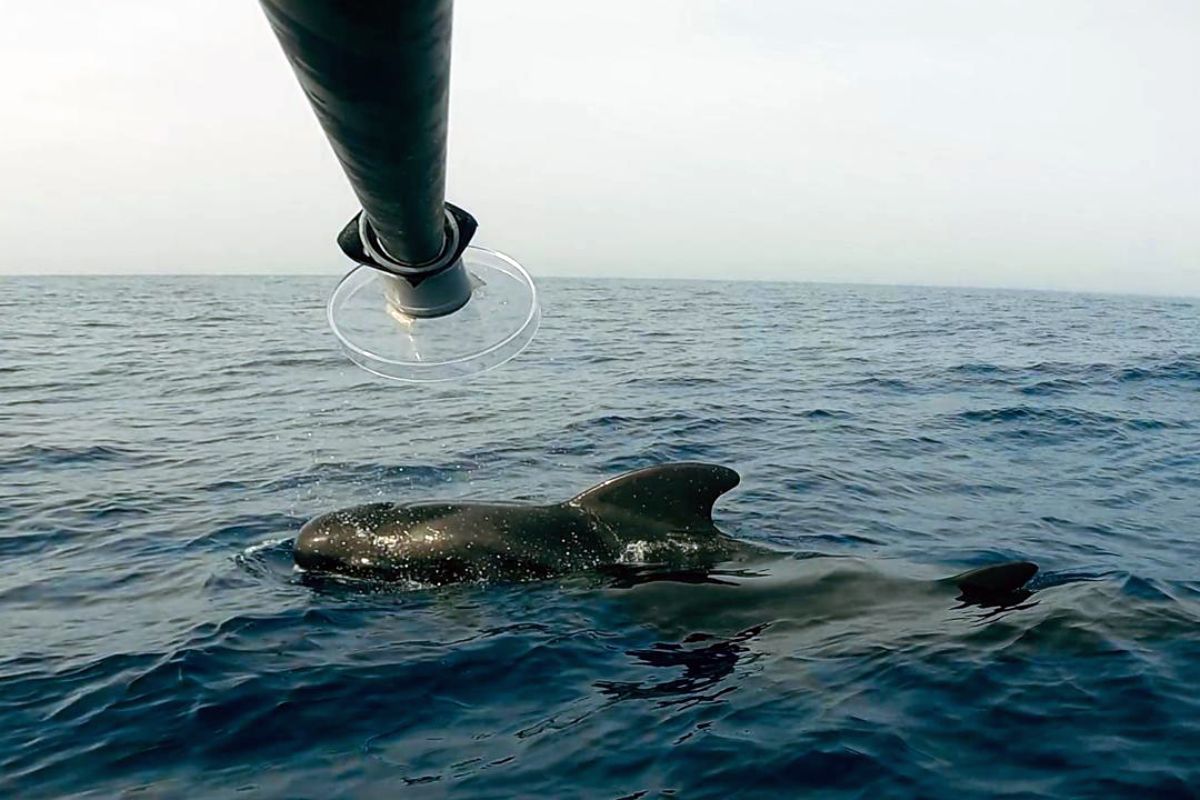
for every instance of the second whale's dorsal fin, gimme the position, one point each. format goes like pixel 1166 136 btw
pixel 680 495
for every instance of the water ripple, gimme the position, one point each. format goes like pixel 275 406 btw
pixel 159 642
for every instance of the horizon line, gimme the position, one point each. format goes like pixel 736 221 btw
pixel 640 279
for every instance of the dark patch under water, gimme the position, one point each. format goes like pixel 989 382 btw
pixel 161 440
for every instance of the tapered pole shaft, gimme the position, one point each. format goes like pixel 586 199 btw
pixel 377 73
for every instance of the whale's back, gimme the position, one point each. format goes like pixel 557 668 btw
pixel 449 542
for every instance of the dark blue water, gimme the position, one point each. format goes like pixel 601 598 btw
pixel 161 440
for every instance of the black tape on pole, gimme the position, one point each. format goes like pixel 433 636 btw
pixel 377 73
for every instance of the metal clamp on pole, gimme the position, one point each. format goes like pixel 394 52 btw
pixel 439 287
pixel 377 74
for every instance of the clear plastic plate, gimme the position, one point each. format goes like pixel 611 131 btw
pixel 496 324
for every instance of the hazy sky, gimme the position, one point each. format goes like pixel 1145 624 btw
pixel 1024 143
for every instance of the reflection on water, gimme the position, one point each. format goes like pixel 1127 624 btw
pixel 626 576
pixel 704 659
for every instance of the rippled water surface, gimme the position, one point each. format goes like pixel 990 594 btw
pixel 162 439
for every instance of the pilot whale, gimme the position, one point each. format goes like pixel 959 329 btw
pixel 654 510
pixel 659 515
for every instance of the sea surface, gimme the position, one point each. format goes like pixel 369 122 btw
pixel 162 439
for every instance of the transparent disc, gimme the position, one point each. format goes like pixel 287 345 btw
pixel 496 324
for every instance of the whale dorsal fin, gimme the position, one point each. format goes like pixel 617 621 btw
pixel 680 495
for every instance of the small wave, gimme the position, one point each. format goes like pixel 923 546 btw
pixel 265 544
pixel 357 473
pixel 270 558
pixel 1185 369
pixel 979 368
pixel 258 527
pixel 1066 375
pixel 1058 416
pixel 282 362
pixel 1061 416
pixel 674 382
pixel 35 456
pixel 826 413
pixel 1055 386
pixel 884 384
pixel 609 421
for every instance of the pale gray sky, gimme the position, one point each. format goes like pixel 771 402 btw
pixel 1022 143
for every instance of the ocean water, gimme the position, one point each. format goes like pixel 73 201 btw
pixel 161 440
